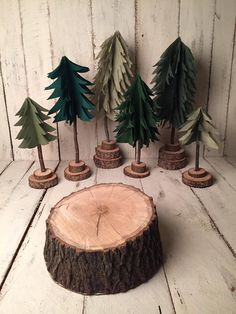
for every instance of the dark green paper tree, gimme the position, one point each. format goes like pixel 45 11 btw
pixel 136 118
pixel 70 88
pixel 198 128
pixel 174 85
pixel 113 77
pixel 34 130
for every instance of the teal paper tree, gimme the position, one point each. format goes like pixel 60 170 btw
pixel 70 88
pixel 136 118
pixel 34 130
pixel 199 128
pixel 174 85
pixel 113 77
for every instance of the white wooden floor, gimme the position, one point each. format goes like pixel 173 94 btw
pixel 198 231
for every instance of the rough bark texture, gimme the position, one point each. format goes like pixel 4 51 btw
pixel 108 155
pixel 172 157
pixel 43 180
pixel 77 171
pixel 137 170
pixel 197 178
pixel 105 272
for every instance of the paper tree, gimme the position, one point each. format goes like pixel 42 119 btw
pixel 34 133
pixel 198 128
pixel 174 85
pixel 174 90
pixel 70 88
pixel 137 123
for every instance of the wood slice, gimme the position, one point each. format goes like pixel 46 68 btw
pixel 172 147
pixel 79 175
pixel 129 171
pixel 172 159
pixel 140 168
pixel 171 155
pixel 107 145
pixel 107 163
pixel 103 239
pixel 172 164
pixel 43 180
pixel 76 167
pixel 203 180
pixel 108 154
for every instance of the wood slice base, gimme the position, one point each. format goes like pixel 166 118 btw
pixel 108 155
pixel 197 179
pixel 77 171
pixel 103 240
pixel 136 170
pixel 43 180
pixel 172 157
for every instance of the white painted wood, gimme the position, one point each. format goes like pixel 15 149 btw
pixel 115 15
pixel 13 69
pixel 231 160
pixel 43 294
pixel 155 32
pixel 16 213
pixel 230 143
pixel 147 297
pixel 36 42
pixel 5 143
pixel 3 165
pixel 70 26
pixel 221 67
pixel 199 266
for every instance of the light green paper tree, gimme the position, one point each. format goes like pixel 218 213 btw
pixel 113 77
pixel 34 130
pixel 199 128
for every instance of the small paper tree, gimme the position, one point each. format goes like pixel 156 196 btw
pixel 136 118
pixel 34 130
pixel 113 76
pixel 174 85
pixel 70 88
pixel 198 128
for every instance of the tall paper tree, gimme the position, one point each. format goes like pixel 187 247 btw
pixel 70 88
pixel 199 128
pixel 34 130
pixel 174 85
pixel 113 77
pixel 136 118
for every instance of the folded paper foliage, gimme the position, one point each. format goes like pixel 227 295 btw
pixel 35 131
pixel 199 128
pixel 113 76
pixel 174 84
pixel 70 88
pixel 136 117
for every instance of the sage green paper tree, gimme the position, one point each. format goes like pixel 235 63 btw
pixel 70 88
pixel 113 77
pixel 34 130
pixel 136 117
pixel 199 128
pixel 174 85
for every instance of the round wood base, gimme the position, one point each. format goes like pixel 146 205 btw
pixel 197 179
pixel 108 155
pixel 77 171
pixel 137 171
pixel 172 157
pixel 115 252
pixel 43 180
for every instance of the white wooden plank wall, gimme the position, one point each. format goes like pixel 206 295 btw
pixel 35 35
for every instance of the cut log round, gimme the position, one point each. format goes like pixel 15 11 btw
pixel 77 171
pixel 137 171
pixel 108 155
pixel 197 178
pixel 172 157
pixel 43 180
pixel 103 239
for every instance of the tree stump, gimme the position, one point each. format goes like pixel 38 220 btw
pixel 108 155
pixel 197 178
pixel 172 157
pixel 103 239
pixel 43 180
pixel 77 171
pixel 137 170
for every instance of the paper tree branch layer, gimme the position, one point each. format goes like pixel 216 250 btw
pixel 103 239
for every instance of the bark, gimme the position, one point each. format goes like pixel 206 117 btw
pixel 106 128
pixel 197 156
pixel 138 152
pixel 172 135
pixel 76 141
pixel 41 161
